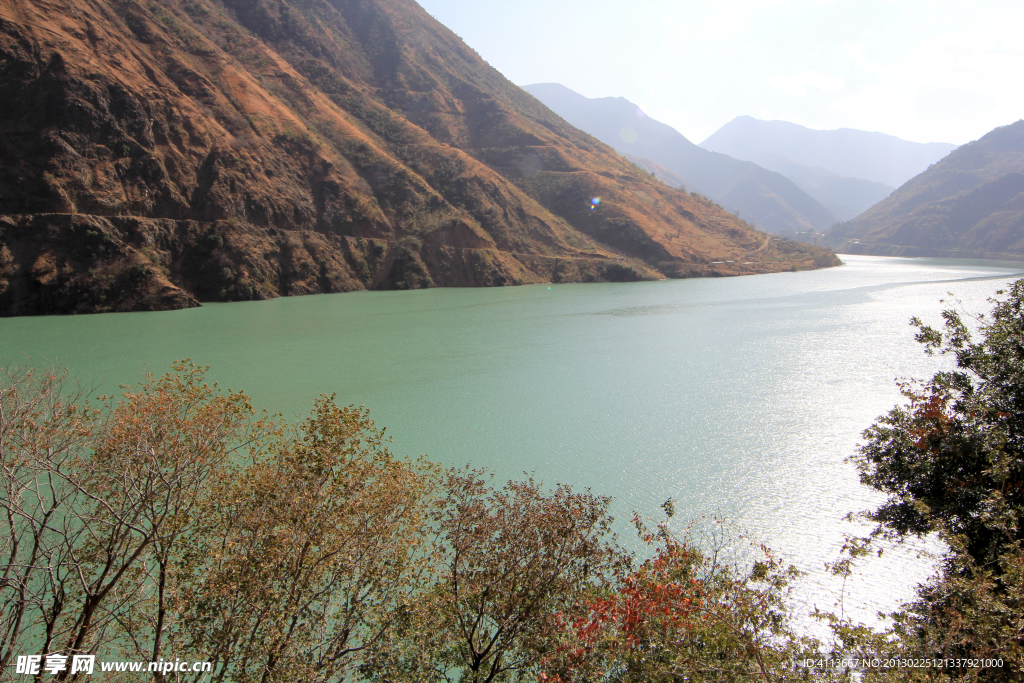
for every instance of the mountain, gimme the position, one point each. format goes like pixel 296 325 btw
pixel 660 172
pixel 969 204
pixel 153 155
pixel 847 170
pixel 845 152
pixel 769 200
pixel 845 197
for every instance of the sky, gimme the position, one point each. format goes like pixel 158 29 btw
pixel 934 71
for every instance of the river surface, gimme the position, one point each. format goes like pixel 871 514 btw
pixel 738 397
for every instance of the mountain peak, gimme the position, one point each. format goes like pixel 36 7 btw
pixel 767 199
pixel 876 157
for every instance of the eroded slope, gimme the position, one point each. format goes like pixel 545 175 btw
pixel 154 154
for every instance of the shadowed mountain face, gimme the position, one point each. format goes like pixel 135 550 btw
pixel 157 154
pixel 660 172
pixel 969 204
pixel 845 152
pixel 845 197
pixel 767 199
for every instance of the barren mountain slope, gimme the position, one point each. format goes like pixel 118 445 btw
pixel 153 154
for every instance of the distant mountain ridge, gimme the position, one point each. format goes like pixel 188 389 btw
pixel 765 198
pixel 845 197
pixel 969 204
pixel 847 152
pixel 154 155
pixel 847 170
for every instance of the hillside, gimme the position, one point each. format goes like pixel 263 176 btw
pixel 768 200
pixel 969 204
pixel 154 155
pixel 660 172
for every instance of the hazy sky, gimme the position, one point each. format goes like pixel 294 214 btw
pixel 928 71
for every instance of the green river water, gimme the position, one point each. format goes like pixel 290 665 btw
pixel 740 397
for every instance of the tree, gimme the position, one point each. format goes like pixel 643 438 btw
pixel 684 615
pixel 173 524
pixel 41 433
pixel 952 462
pixel 305 557
pixel 98 502
pixel 507 563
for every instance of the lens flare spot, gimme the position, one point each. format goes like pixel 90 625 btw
pixel 594 202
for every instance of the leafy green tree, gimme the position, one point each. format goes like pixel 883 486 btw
pixel 952 462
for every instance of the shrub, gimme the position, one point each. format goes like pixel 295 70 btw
pixel 952 463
